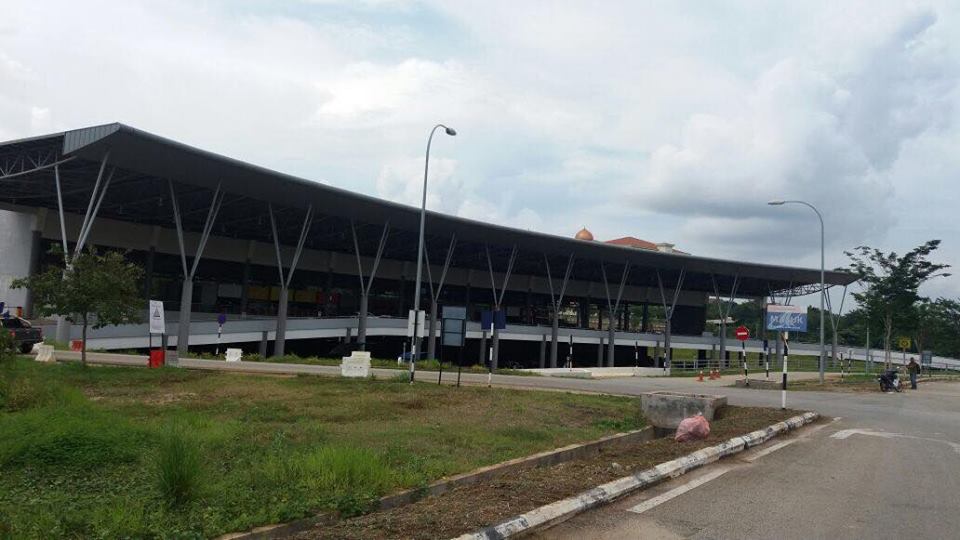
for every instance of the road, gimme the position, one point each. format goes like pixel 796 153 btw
pixel 887 468
pixel 884 466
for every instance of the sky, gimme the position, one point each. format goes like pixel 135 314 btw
pixel 669 121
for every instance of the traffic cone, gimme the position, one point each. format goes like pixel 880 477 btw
pixel 700 377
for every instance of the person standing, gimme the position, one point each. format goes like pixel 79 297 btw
pixel 913 367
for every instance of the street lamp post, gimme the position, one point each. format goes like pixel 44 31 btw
pixel 423 220
pixel 823 349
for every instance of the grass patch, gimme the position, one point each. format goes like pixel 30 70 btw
pixel 130 452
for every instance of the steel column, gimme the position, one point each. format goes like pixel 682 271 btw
pixel 668 312
pixel 498 299
pixel 555 303
pixel 435 296
pixel 366 286
pixel 280 344
pixel 612 308
pixel 186 296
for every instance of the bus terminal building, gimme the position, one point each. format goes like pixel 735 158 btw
pixel 299 266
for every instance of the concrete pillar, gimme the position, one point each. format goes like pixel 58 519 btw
pixel 183 326
pixel 600 353
pixel 611 339
pixel 362 322
pixel 543 353
pixel 583 307
pixel 263 344
pixel 667 351
pixel 432 331
pixel 279 345
pixel 554 337
pixel 402 297
pixel 625 325
pixel 645 318
pixel 496 346
pixel 483 347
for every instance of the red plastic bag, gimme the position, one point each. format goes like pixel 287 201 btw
pixel 694 428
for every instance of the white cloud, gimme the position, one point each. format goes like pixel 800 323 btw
pixel 670 121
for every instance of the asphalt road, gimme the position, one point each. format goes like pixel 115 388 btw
pixel 887 467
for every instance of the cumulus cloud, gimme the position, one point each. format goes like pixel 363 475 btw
pixel 805 131
pixel 671 122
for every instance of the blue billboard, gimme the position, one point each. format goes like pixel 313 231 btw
pixel 786 318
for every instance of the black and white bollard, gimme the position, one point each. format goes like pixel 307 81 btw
pixel 743 355
pixel 783 390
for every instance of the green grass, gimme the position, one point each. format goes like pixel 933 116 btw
pixel 423 365
pixel 129 452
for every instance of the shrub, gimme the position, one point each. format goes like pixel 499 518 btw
pixel 179 468
pixel 72 435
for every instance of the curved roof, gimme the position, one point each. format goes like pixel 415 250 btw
pixel 144 160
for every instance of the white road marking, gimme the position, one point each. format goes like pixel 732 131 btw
pixel 676 492
pixel 769 450
pixel 846 433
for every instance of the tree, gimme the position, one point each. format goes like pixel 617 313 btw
pixel 97 288
pixel 891 284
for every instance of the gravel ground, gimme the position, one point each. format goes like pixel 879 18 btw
pixel 473 507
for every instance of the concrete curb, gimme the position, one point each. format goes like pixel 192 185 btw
pixel 562 510
pixel 541 459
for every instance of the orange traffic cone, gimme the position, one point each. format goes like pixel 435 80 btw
pixel 700 377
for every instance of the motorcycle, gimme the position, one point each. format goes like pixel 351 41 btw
pixel 889 381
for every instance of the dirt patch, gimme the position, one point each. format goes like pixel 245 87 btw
pixel 473 507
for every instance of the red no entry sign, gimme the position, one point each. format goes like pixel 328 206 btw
pixel 742 333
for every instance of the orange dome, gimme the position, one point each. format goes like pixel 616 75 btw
pixel 584 234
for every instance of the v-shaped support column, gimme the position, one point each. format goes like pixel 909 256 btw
pixel 435 296
pixel 612 307
pixel 668 314
pixel 498 301
pixel 366 285
pixel 186 296
pixel 555 302
pixel 280 343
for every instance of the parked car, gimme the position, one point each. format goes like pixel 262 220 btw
pixel 25 336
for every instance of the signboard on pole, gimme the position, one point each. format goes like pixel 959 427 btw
pixel 420 317
pixel 786 318
pixel 157 321
pixel 454 325
pixel 742 333
pixel 904 342
pixel 496 319
pixel 926 358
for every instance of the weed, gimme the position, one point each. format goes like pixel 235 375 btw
pixel 178 468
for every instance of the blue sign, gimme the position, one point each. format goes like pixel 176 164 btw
pixel 221 319
pixel 786 318
pixel 487 319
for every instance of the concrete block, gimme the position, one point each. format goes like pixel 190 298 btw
pixel 667 409
pixel 356 366
pixel 234 355
pixel 45 353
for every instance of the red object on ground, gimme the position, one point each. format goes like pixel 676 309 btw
pixel 157 358
pixel 700 376
pixel 76 345
pixel 694 428
pixel 742 333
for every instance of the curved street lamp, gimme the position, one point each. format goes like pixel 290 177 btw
pixel 423 219
pixel 823 349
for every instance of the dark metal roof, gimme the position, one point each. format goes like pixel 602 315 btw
pixel 145 161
